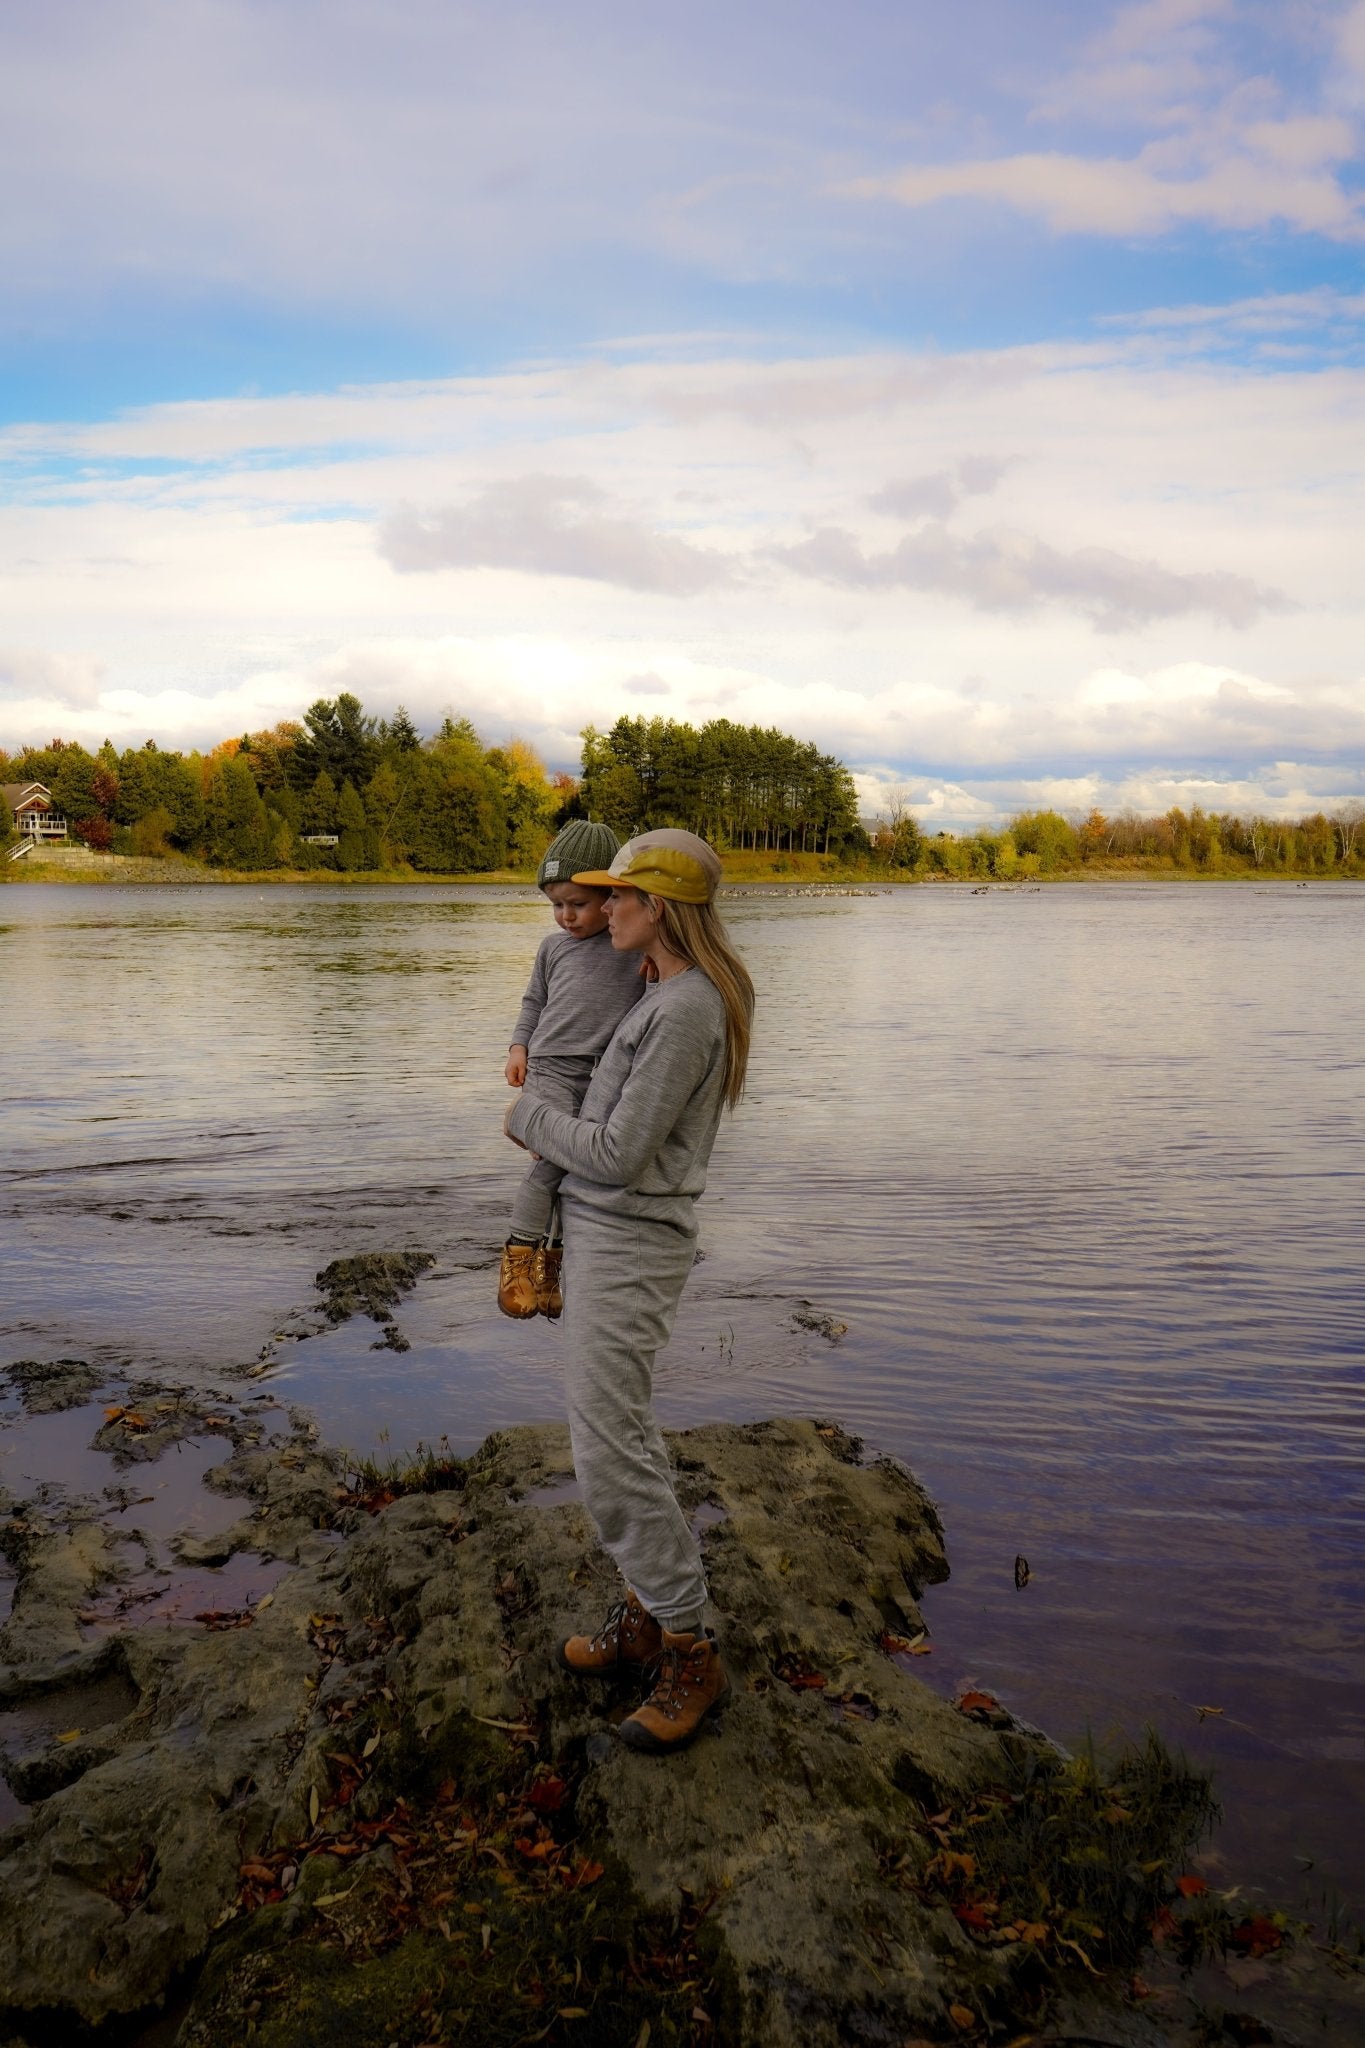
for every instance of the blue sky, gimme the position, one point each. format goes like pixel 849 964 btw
pixel 976 390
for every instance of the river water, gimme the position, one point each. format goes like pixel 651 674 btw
pixel 1083 1170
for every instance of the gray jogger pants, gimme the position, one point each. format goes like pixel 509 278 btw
pixel 623 1276
pixel 563 1084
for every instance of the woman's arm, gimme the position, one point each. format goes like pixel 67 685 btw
pixel 671 1060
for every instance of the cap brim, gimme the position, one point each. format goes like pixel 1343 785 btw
pixel 597 878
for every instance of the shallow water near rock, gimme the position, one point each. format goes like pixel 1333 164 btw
pixel 1082 1171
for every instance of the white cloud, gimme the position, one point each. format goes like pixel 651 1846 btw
pixel 552 526
pixel 936 496
pixel 1277 174
pixel 66 682
pixel 1007 571
pixel 1200 130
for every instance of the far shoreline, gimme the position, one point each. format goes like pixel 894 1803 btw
pixel 778 872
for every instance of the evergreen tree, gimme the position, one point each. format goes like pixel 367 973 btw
pixel 358 849
pixel 320 805
pixel 338 739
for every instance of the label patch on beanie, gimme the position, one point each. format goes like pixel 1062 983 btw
pixel 552 867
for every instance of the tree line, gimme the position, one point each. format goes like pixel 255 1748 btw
pixel 387 797
pixel 445 804
pixel 345 790
pixel 1194 842
pixel 737 785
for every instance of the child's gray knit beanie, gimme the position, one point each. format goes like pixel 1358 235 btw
pixel 580 848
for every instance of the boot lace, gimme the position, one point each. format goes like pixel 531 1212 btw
pixel 680 1672
pixel 608 1637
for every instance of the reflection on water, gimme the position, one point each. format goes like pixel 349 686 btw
pixel 1083 1172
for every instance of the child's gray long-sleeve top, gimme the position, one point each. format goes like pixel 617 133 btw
pixel 641 1142
pixel 579 991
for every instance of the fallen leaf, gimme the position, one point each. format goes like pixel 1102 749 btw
pixel 1022 1574
pixel 371 1746
pixel 1164 1925
pixel 1256 1936
pixel 962 2017
pixel 264 1601
pixel 588 1873
pixel 572 2012
pixel 1190 1887
pixel 1204 1712
pixel 973 1702
pixel 973 1917
pixel 114 1414
pixel 132 1421
pixel 69 1735
pixel 314 1806
pixel 642 2038
pixel 796 1670
pixel 258 1873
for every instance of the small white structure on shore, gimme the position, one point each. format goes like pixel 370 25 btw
pixel 35 819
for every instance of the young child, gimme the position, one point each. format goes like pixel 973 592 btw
pixel 579 991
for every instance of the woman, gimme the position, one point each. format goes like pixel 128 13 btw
pixel 634 1162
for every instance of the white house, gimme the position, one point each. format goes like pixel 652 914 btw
pixel 35 820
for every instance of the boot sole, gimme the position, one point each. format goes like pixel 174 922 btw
pixel 644 1744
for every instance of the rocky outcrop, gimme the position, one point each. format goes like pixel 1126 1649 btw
pixel 372 1806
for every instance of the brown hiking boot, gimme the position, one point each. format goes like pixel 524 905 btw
pixel 545 1274
pixel 516 1282
pixel 629 1638
pixel 691 1684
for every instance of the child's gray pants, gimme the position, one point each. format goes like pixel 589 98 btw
pixel 563 1084
pixel 623 1277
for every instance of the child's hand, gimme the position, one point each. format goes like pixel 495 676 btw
pixel 648 971
pixel 515 1070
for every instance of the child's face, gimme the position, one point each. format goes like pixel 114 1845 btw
pixel 579 911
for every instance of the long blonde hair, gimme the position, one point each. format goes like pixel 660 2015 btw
pixel 695 933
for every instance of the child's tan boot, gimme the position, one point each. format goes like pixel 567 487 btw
pixel 516 1281
pixel 691 1685
pixel 545 1272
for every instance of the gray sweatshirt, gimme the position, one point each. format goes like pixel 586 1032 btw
pixel 579 991
pixel 640 1144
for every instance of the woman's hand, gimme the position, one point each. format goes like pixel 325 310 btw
pixel 515 1070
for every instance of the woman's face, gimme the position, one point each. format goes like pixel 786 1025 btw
pixel 631 917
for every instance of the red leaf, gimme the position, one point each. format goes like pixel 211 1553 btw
pixel 977 1703
pixel 1164 1925
pixel 547 1795
pixel 588 1873
pixel 1256 1936
pixel 1190 1887
pixel 973 1917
